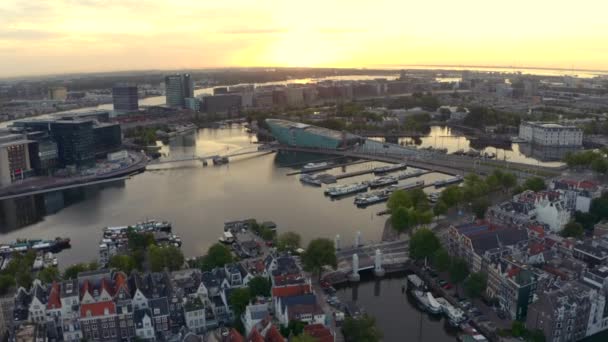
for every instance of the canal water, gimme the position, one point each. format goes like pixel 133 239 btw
pixel 395 312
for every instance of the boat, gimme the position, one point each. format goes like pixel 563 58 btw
pixel 423 301
pixel 333 188
pixel 518 140
pixel 374 197
pixel 38 245
pixel 383 181
pixel 219 160
pixel 409 186
pixel 434 197
pixel 49 260
pixel 415 283
pixel 410 174
pixel 434 306
pixel 348 189
pixel 145 226
pixel 389 168
pixel 454 315
pixel 310 180
pixel 38 262
pixel 449 181
pixel 227 238
pixel 315 166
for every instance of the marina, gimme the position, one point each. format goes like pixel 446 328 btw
pixel 383 181
pixel 389 168
pixel 36 245
pixel 450 181
pixel 345 190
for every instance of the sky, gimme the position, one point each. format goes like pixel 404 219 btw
pixel 59 36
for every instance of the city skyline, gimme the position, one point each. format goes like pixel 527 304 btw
pixel 52 37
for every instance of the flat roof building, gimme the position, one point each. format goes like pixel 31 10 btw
pixel 125 98
pixel 177 89
pixel 550 134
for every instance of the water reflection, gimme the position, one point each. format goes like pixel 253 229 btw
pixel 443 137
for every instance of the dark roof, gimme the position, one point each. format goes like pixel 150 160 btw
pixel 139 315
pixel 501 237
pixel 69 288
pixel 159 306
pixel 209 280
pixel 217 301
pixel 22 304
pixel 286 265
pixel 193 304
pixel 308 299
pixel 38 291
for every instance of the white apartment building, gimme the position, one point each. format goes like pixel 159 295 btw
pixel 550 134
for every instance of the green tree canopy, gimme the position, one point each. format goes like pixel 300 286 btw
pixel 573 229
pixel 49 274
pixel 72 271
pixel 303 338
pixel 319 253
pixel 479 207
pixel 217 256
pixel 288 241
pixel 475 284
pixel 259 286
pixel 361 329
pixel 402 219
pixel 423 244
pixel 459 270
pixel 161 257
pixel 441 260
pixel 451 196
pixel 534 184
pixel 6 283
pixel 125 263
pixel 239 299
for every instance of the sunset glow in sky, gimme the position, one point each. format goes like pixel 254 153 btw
pixel 55 36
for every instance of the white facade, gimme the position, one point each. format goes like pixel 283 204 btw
pixel 548 134
pixel 553 213
pixel 597 321
pixel 147 330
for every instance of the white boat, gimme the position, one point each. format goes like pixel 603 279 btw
pixel 423 301
pixel 410 174
pixel 348 189
pixel 454 315
pixel 334 188
pixel 314 166
pixel 309 179
pixel 38 263
pixel 448 181
pixel 434 306
pixel 389 168
pixel 227 238
pixel 409 186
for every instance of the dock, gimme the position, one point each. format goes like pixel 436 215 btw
pixel 328 167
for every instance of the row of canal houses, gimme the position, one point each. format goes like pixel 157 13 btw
pixel 554 284
pixel 108 305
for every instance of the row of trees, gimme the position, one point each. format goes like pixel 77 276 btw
pixel 598 211
pixel 425 246
pixel 475 191
pixel 596 160
pixel 409 209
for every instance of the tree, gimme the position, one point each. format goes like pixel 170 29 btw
pixel 440 208
pixel 518 329
pixel 402 219
pixel 293 328
pixel 479 207
pixel 288 241
pixel 169 257
pixel 259 286
pixel 399 198
pixel 125 263
pixel 319 253
pixel 218 255
pixel 6 282
pixel 72 271
pixel 24 278
pixel 361 329
pixel 441 260
pixel 459 270
pixel 423 244
pixel 302 338
pixel 573 229
pixel 451 196
pixel 536 335
pixel 49 274
pixel 587 220
pixel 535 184
pixel 475 284
pixel 239 299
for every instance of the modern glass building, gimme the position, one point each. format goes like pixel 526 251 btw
pixel 125 98
pixel 303 135
pixel 177 89
pixel 75 142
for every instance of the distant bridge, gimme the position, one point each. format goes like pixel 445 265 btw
pixel 240 152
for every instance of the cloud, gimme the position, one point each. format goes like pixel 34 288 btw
pixel 25 34
pixel 254 31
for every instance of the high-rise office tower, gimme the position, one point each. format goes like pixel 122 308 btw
pixel 125 98
pixel 178 88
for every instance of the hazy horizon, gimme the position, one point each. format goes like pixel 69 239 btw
pixel 50 37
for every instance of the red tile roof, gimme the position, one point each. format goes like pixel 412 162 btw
pixel 319 332
pixel 86 288
pixel 513 272
pixel 97 309
pixel 291 290
pixel 54 301
pixel 540 232
pixel 120 280
pixel 234 336
pixel 273 335
pixel 255 336
pixel 536 248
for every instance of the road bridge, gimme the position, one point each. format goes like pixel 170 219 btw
pixel 206 158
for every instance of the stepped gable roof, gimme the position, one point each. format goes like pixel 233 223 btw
pixel 54 301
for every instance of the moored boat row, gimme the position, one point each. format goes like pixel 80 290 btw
pixel 37 245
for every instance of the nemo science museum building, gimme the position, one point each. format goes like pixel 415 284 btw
pixel 297 134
